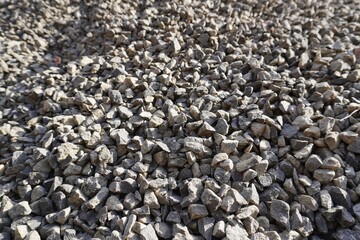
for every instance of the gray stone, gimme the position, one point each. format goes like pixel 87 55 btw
pixel 280 211
pixel 308 202
pixel 151 200
pixel 197 211
pixel 194 188
pixel 297 144
pixel 345 219
pixel 219 229
pixel 247 161
pixel 222 126
pixel 173 217
pixel 313 162
pixel 33 235
pixel 229 146
pixel 302 122
pixel 348 136
pixel 232 201
pixel 296 220
pixel 248 211
pixel 332 140
pixel 304 152
pixel 325 199
pixel 210 199
pixel 307 229
pixel 289 131
pixel 354 146
pixel 324 175
pixel 260 236
pixel 326 124
pixel 67 153
pixel 206 130
pixel 331 163
pixel 98 198
pixel 251 195
pixel 121 136
pixel 113 203
pixel 63 215
pixel 356 209
pixel 206 226
pixel 19 209
pixel 251 225
pixel 272 235
pixel 77 197
pixel 236 232
pixel 347 234
pixel 163 230
pixel 219 158
pixel 320 223
pixel 341 197
pixel 38 192
pixel 257 128
pixel 124 186
pixel 196 145
pixel 148 233
pixel 129 224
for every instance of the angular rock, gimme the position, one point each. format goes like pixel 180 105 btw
pixel 206 226
pixel 19 209
pixel 324 175
pixel 98 198
pixel 280 211
pixel 247 161
pixel 148 233
pixel 219 229
pixel 235 232
pixel 197 211
pixel 354 146
pixel 341 197
pixel 210 199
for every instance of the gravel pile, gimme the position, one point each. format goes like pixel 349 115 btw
pixel 179 119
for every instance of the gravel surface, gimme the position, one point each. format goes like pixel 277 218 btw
pixel 179 119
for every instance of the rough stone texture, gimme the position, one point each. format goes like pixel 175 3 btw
pixel 279 210
pixel 197 211
pixel 179 119
pixel 148 233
